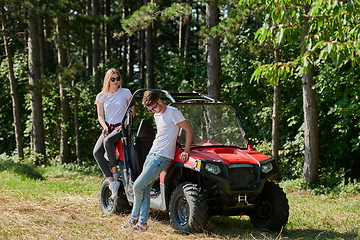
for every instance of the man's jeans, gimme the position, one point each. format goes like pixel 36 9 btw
pixel 153 166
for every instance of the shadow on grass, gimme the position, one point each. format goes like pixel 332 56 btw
pixel 20 169
pixel 226 227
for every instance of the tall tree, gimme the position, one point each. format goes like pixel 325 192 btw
pixel 95 39
pixel 13 91
pixel 65 152
pixel 130 50
pixel 311 135
pixel 108 38
pixel 213 51
pixel 311 21
pixel 34 78
pixel 89 58
pixel 149 55
pixel 275 133
pixel 141 57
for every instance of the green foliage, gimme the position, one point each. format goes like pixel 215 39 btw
pixel 173 68
pixel 339 116
pixel 250 31
pixel 141 18
pixel 176 10
pixel 26 168
pixel 333 184
pixel 21 168
pixel 151 12
pixel 71 170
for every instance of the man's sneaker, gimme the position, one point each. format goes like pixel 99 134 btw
pixel 140 227
pixel 114 186
pixel 130 223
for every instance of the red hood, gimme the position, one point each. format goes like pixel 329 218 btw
pixel 228 155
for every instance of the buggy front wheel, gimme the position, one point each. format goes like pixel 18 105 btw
pixel 188 212
pixel 272 208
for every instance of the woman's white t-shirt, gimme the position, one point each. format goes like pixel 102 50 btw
pixel 167 132
pixel 115 104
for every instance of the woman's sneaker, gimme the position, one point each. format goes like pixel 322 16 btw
pixel 114 187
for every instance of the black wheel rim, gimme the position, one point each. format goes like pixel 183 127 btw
pixel 182 211
pixel 264 209
pixel 108 203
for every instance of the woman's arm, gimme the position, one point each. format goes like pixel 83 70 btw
pixel 101 117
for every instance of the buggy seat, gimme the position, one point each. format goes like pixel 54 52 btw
pixel 142 144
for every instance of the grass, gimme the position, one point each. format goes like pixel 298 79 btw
pixel 67 208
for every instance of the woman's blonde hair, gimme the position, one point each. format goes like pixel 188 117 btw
pixel 106 82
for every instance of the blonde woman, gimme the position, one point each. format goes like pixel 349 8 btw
pixel 111 104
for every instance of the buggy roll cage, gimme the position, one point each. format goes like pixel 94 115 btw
pixel 196 97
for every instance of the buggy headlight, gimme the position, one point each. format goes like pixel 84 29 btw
pixel 212 168
pixel 267 167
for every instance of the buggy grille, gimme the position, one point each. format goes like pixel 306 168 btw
pixel 242 177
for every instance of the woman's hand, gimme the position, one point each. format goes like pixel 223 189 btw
pixel 118 129
pixel 105 131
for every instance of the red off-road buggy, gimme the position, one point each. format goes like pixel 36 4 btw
pixel 223 176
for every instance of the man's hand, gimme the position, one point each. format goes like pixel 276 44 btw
pixel 188 139
pixel 184 156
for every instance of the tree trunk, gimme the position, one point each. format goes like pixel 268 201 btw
pixel 42 45
pixel 311 161
pixel 96 45
pixel 142 74
pixel 108 38
pixel 181 36
pixel 124 39
pixel 13 91
pixel 130 60
pixel 184 42
pixel 187 46
pixel 142 54
pixel 311 139
pixel 150 81
pixel 77 124
pixel 50 61
pixel 89 60
pixel 213 52
pixel 275 117
pixel 36 96
pixel 65 152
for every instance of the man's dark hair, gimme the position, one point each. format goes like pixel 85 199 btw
pixel 149 98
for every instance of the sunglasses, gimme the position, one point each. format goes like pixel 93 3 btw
pixel 113 79
pixel 152 109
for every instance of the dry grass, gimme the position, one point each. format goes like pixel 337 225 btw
pixel 68 209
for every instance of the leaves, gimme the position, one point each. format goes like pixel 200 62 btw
pixel 146 15
pixel 141 18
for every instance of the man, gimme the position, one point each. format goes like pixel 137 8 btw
pixel 168 122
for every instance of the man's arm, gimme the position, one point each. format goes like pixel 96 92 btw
pixel 188 139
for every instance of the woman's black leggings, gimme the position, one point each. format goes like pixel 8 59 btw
pixel 107 145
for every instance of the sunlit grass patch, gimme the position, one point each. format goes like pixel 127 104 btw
pixel 67 208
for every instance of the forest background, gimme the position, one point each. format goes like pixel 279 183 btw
pixel 290 68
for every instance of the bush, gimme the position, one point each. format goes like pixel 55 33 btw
pixel 27 168
pixel 12 164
